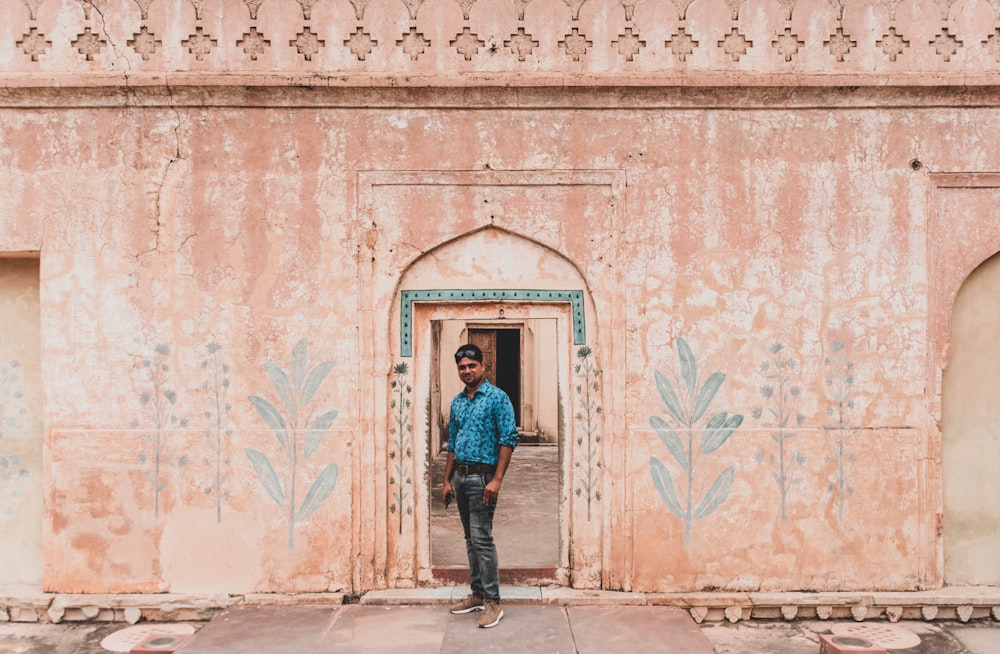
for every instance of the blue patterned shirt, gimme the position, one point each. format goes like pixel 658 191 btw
pixel 478 427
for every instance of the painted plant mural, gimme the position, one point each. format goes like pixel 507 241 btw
pixel 299 433
pixel 401 452
pixel 839 384
pixel 781 397
pixel 689 437
pixel 588 390
pixel 219 429
pixel 161 419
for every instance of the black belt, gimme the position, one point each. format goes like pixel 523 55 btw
pixel 474 468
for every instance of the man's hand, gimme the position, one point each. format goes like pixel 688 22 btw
pixel 446 490
pixel 492 491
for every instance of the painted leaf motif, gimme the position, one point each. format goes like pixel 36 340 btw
pixel 718 430
pixel 314 379
pixel 319 427
pixel 664 484
pixel 273 420
pixel 689 369
pixel 670 398
pixel 267 476
pixel 706 395
pixel 319 491
pixel 284 387
pixel 671 440
pixel 717 494
pixel 299 358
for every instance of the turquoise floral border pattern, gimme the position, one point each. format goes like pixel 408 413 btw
pixel 407 298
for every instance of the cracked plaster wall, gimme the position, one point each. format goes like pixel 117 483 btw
pixel 801 192
pixel 742 229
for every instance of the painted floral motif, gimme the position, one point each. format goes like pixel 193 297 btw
pixel 161 418
pixel 219 427
pixel 838 388
pixel 298 434
pixel 781 395
pixel 687 402
pixel 588 389
pixel 402 449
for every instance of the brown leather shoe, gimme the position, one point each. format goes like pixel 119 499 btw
pixel 473 602
pixel 492 614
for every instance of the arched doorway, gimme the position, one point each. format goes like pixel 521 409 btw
pixel 970 430
pixel 529 305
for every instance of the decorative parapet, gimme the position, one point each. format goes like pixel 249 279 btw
pixel 519 42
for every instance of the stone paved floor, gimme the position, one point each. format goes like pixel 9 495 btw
pixel 529 628
pixel 525 526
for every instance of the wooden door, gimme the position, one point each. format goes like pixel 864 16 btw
pixel 486 340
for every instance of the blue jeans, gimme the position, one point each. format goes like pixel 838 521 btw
pixel 477 522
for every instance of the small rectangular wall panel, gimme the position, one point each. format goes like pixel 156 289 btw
pixel 20 423
pixel 865 538
pixel 108 532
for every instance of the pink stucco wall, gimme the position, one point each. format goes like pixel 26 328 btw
pixel 196 220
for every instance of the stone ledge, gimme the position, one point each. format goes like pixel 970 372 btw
pixel 32 605
pixel 958 603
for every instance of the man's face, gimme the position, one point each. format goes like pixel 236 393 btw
pixel 470 371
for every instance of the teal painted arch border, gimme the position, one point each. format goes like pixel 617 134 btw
pixel 575 299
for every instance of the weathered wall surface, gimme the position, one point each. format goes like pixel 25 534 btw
pixel 181 270
pixel 20 422
pixel 764 261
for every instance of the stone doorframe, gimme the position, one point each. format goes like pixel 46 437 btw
pixel 395 208
pixel 424 369
pixel 958 242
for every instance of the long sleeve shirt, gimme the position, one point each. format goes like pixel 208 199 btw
pixel 478 427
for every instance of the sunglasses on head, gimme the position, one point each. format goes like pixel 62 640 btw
pixel 466 354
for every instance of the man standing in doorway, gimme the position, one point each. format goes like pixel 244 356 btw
pixel 482 437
